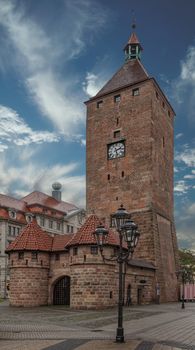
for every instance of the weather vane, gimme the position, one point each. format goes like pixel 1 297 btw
pixel 133 19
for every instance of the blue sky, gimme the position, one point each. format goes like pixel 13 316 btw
pixel 56 54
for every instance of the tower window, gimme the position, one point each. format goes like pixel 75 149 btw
pixel 99 104
pixel 21 255
pixel 57 256
pixel 135 92
pixel 122 174
pixel 163 104
pixel 94 250
pixel 108 177
pixel 116 198
pixel 163 142
pixel 117 121
pixel 169 114
pixel 157 95
pixel 117 134
pixel 117 98
pixel 75 251
pixel 34 255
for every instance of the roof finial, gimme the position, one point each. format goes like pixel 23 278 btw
pixel 133 20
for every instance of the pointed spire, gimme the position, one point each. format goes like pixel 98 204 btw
pixel 133 47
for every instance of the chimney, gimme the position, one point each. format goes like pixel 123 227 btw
pixel 56 193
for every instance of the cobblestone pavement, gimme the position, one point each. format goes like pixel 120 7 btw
pixel 150 327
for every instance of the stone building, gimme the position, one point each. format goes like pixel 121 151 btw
pixel 130 128
pixel 129 161
pixel 53 214
pixel 67 269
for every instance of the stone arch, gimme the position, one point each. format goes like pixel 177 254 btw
pixel 60 290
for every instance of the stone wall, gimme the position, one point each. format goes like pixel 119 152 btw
pixel 29 279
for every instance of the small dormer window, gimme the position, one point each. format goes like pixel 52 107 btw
pixel 34 255
pixel 29 218
pixel 12 214
pixel 117 98
pixel 99 104
pixel 135 92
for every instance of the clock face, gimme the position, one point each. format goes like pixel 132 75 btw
pixel 116 150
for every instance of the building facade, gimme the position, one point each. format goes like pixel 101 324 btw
pixel 52 214
pixel 68 269
pixel 130 129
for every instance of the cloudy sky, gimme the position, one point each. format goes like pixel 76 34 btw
pixel 56 54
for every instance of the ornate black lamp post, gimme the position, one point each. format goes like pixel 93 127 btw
pixel 127 231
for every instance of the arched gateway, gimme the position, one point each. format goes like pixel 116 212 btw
pixel 61 292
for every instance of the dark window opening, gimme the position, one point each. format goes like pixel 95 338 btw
pixel 99 104
pixel 157 95
pixel 111 295
pixel 75 251
pixel 84 258
pixel 21 255
pixel 163 142
pixel 116 198
pixel 117 134
pixel 117 121
pixel 108 176
pixel 163 104
pixel 34 255
pixel 117 98
pixel 122 174
pixel 169 114
pixel 135 92
pixel 41 262
pixel 57 256
pixel 94 250
pixel 26 262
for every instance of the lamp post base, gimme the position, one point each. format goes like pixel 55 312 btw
pixel 120 335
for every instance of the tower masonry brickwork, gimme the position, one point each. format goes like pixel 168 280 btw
pixel 130 160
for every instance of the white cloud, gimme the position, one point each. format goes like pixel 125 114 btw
pixel 13 129
pixel 181 186
pixel 178 136
pixel 185 219
pixel 186 156
pixel 92 84
pixel 184 86
pixel 42 56
pixel 31 174
pixel 189 176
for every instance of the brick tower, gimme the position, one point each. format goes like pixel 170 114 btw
pixel 130 161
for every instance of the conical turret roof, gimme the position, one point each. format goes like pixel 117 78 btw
pixel 85 234
pixel 32 237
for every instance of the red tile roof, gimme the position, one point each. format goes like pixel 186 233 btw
pixel 85 234
pixel 43 199
pixel 133 39
pixel 32 237
pixel 60 242
pixel 130 73
pixel 9 202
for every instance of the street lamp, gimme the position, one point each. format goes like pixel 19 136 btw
pixel 127 231
pixel 185 276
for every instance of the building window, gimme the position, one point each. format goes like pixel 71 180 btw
pixel 157 95
pixel 70 229
pixel 58 226
pixel 108 177
pixel 117 134
pixel 57 256
pixel 50 224
pixel 163 142
pixel 42 221
pixel 29 218
pixel 14 230
pixel 135 92
pixel 18 230
pixel 34 255
pixel 116 198
pixel 53 212
pixel 117 121
pixel 9 230
pixel 112 222
pixel 122 174
pixel 99 104
pixel 169 114
pixel 94 250
pixel 111 295
pixel 75 251
pixel 21 255
pixel 117 98
pixel 163 104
